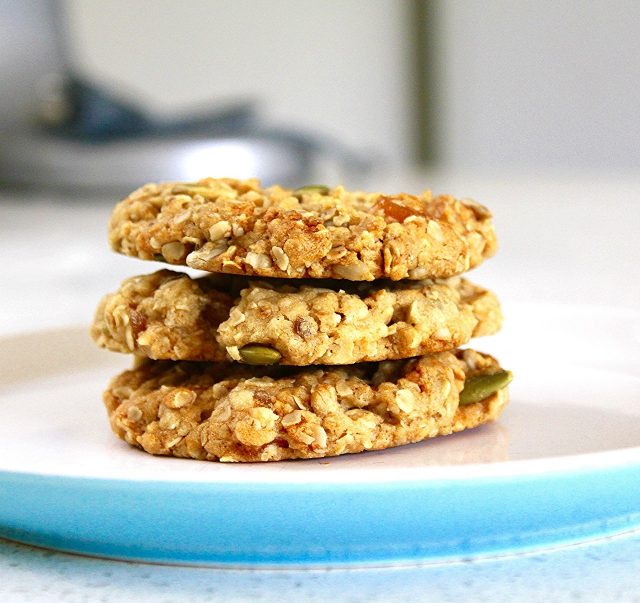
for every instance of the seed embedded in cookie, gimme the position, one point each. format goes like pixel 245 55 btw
pixel 169 315
pixel 238 227
pixel 231 412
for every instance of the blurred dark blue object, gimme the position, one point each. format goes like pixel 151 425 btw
pixel 93 115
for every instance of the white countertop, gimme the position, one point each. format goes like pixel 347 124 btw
pixel 568 240
pixel 602 571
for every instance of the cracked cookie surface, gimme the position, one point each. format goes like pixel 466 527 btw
pixel 234 413
pixel 233 226
pixel 171 316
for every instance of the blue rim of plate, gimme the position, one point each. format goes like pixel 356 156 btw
pixel 290 524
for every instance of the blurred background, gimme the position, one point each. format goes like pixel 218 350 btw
pixel 110 94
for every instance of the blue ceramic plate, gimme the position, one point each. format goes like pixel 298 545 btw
pixel 562 465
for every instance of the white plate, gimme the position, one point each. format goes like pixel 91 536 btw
pixel 562 464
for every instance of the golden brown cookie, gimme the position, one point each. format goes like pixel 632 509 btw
pixel 168 315
pixel 230 412
pixel 237 227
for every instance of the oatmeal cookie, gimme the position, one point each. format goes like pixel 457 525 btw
pixel 168 315
pixel 164 315
pixel 230 412
pixel 234 226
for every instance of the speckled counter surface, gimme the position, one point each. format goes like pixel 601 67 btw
pixel 602 571
pixel 63 242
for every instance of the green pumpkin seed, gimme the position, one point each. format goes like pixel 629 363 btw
pixel 191 189
pixel 321 189
pixel 259 354
pixel 479 387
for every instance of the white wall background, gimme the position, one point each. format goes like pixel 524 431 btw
pixel 518 83
pixel 539 83
pixel 335 66
pixel 27 54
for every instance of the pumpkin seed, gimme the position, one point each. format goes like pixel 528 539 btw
pixel 479 387
pixel 259 354
pixel 321 189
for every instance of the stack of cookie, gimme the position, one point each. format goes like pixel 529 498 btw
pixel 328 322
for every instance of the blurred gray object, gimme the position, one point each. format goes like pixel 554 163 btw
pixel 60 131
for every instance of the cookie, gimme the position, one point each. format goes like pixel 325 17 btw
pixel 230 412
pixel 165 315
pixel 237 227
pixel 169 315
